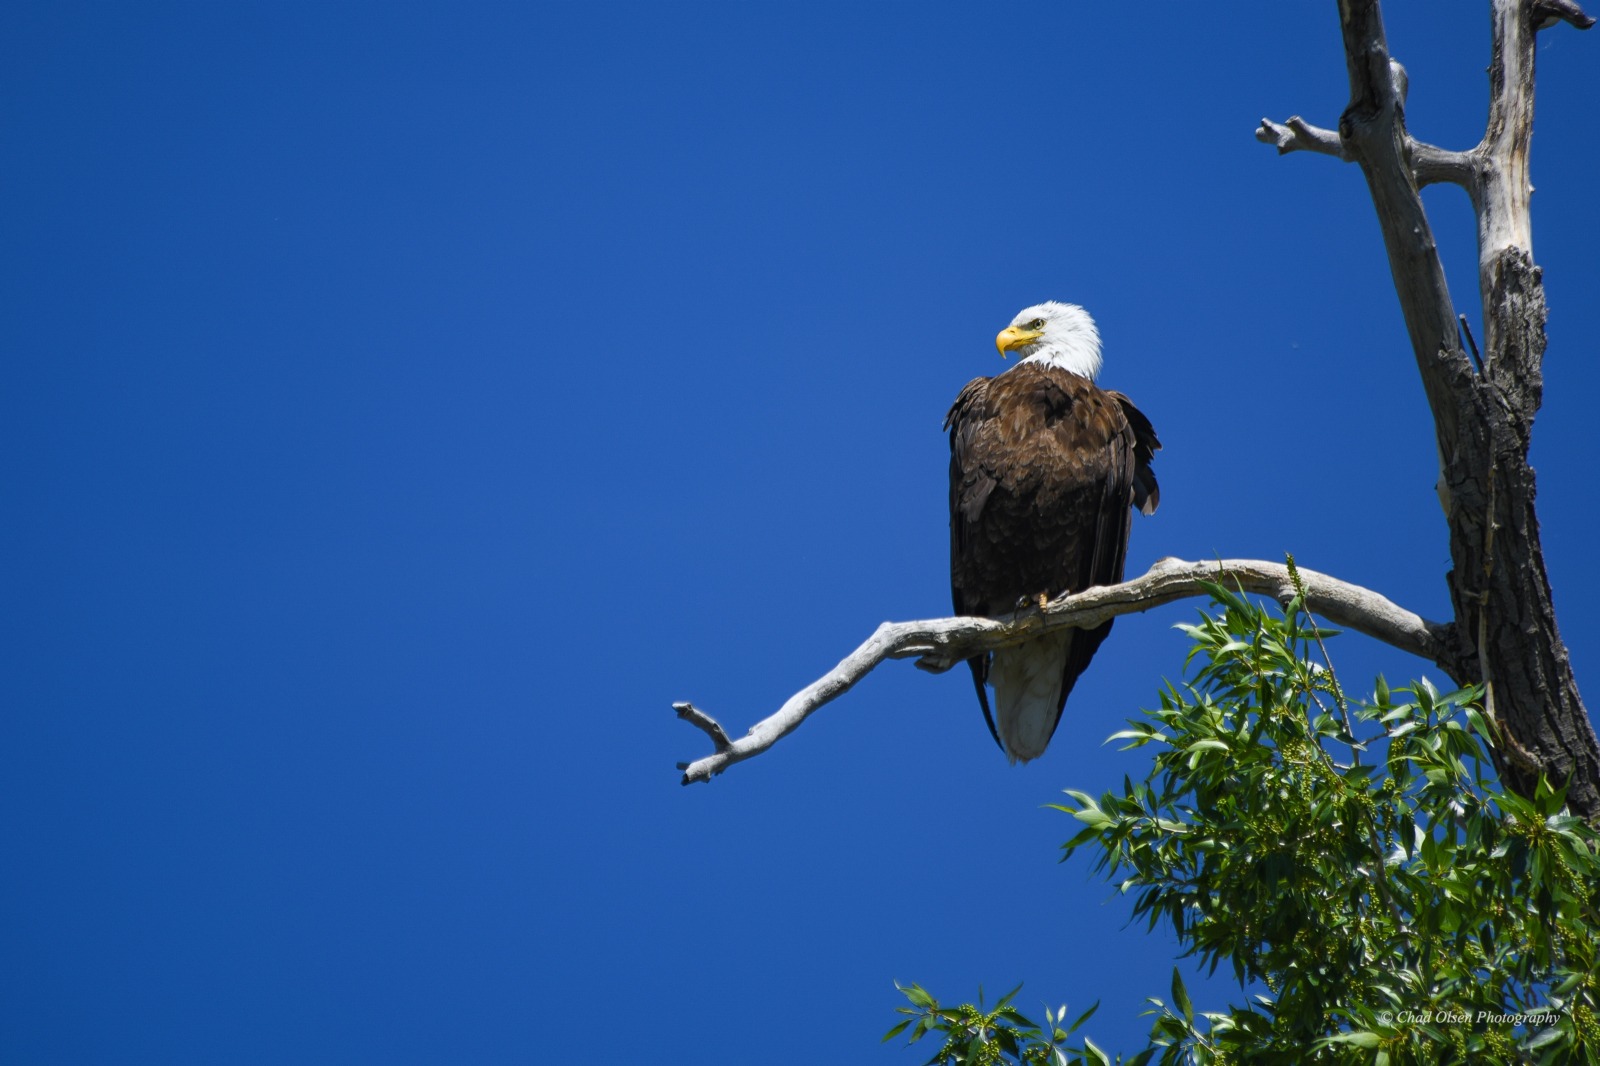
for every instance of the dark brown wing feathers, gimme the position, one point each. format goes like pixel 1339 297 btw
pixel 1044 471
pixel 970 486
pixel 1146 493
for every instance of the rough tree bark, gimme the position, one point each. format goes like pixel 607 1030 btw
pixel 1505 631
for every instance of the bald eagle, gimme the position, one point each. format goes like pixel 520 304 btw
pixel 1045 469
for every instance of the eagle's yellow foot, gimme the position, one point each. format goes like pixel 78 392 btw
pixel 1027 603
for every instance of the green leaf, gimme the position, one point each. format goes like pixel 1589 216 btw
pixel 1570 982
pixel 1180 997
pixel 1094 817
pixel 1427 695
pixel 1404 728
pixel 896 1031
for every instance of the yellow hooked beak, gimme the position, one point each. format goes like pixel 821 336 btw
pixel 1013 337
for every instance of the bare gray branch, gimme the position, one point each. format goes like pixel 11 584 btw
pixel 941 643
pixel 1549 12
pixel 1431 165
pixel 706 724
pixel 1298 135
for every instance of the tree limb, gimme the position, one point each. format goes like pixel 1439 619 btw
pixel 1549 12
pixel 1431 165
pixel 941 643
pixel 1298 135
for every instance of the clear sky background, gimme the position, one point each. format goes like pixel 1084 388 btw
pixel 404 404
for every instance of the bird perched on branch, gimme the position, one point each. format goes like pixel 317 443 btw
pixel 1045 469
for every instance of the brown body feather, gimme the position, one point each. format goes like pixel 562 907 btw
pixel 1045 468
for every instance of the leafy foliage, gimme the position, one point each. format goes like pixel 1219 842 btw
pixel 1355 865
pixel 974 1037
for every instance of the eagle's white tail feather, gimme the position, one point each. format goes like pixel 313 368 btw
pixel 1027 690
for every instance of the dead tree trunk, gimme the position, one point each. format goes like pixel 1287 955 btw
pixel 1505 632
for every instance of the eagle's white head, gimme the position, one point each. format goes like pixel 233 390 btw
pixel 1057 334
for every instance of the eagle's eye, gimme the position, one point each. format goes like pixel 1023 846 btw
pixel 1037 323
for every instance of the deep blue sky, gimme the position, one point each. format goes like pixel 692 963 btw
pixel 404 404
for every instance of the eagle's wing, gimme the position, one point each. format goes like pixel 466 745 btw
pixel 970 486
pixel 1120 442
pixel 1120 469
pixel 1146 493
